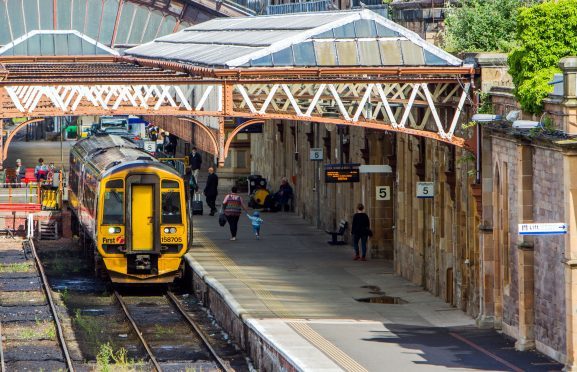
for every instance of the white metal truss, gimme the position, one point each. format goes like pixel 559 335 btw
pixel 409 106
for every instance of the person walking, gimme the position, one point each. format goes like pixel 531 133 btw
pixel 211 190
pixel 195 161
pixel 233 206
pixel 256 221
pixel 361 230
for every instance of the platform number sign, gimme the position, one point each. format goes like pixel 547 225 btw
pixel 425 190
pixel 150 146
pixel 316 154
pixel 383 193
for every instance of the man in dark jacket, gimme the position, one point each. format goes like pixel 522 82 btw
pixel 211 190
pixel 194 161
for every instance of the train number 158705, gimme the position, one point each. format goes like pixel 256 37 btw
pixel 171 239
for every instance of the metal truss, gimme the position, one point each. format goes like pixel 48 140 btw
pixel 427 109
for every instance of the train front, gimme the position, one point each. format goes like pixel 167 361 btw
pixel 143 228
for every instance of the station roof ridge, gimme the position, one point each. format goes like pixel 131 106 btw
pixel 352 38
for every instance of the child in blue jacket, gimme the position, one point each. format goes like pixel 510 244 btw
pixel 256 222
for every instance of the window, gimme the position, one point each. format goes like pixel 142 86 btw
pixel 113 207
pixel 171 207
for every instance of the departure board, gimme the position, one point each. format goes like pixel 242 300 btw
pixel 341 173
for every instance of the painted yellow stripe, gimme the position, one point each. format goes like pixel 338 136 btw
pixel 277 308
pixel 328 348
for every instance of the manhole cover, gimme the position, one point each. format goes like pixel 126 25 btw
pixel 383 300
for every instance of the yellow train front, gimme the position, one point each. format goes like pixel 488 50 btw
pixel 130 210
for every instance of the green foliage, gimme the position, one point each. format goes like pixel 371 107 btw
pixel 545 33
pixel 482 25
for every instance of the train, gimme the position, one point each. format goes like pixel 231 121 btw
pixel 129 211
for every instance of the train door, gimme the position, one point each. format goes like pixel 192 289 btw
pixel 142 206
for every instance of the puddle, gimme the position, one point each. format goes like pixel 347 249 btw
pixel 383 300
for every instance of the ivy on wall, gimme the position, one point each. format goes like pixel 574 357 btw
pixel 546 33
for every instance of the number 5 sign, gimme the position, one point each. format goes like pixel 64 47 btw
pixel 425 190
pixel 383 193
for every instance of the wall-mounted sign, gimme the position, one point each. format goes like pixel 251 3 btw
pixel 150 146
pixel 375 168
pixel 542 228
pixel 425 190
pixel 337 173
pixel 383 193
pixel 316 154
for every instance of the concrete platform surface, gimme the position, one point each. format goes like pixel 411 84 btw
pixel 300 295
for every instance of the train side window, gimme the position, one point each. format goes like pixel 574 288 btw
pixel 171 207
pixel 113 203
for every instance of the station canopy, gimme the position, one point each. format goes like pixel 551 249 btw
pixel 324 39
pixel 55 43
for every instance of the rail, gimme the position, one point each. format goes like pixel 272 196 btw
pixel 199 332
pixel 48 293
pixel 2 363
pixel 20 193
pixel 137 330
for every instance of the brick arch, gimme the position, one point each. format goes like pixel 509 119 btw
pixel 237 130
pixel 13 133
pixel 211 134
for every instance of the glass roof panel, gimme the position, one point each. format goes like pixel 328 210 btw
pixel 263 61
pixel 345 32
pixel 30 15
pixel 167 26
pixel 125 22
pixel 47 7
pixel 108 19
pixel 152 27
pixel 304 54
pixel 138 26
pixel 325 35
pixel 432 59
pixel 326 53
pixel 79 14
pixel 46 44
pixel 4 27
pixel 93 18
pixel 369 53
pixel 63 15
pixel 365 28
pixel 60 45
pixel 347 53
pixel 383 31
pixel 34 48
pixel 283 57
pixel 390 53
pixel 16 18
pixel 412 53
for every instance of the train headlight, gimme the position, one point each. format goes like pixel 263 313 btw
pixel 170 230
pixel 113 230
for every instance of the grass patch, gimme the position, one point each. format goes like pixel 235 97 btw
pixel 160 331
pixel 20 267
pixel 44 330
pixel 110 360
pixel 89 325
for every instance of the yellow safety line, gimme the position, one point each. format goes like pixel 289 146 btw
pixel 324 345
pixel 277 308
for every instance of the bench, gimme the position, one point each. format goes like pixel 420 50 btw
pixel 340 232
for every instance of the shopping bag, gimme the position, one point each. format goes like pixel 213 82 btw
pixel 221 218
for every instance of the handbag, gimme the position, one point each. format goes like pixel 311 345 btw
pixel 369 232
pixel 221 218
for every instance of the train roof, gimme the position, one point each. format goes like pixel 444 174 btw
pixel 105 152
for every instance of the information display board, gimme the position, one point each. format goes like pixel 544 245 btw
pixel 342 173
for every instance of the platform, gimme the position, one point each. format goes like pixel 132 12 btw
pixel 292 301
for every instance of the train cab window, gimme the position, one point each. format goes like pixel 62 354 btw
pixel 171 207
pixel 113 203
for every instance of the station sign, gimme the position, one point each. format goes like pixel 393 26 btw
pixel 542 228
pixel 425 190
pixel 383 193
pixel 316 154
pixel 150 146
pixel 342 173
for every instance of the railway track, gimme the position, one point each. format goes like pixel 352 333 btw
pixel 26 333
pixel 163 341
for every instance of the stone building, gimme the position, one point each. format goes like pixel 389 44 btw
pixel 528 176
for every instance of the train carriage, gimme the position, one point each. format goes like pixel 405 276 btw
pixel 130 209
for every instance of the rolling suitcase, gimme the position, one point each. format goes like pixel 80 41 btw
pixel 196 204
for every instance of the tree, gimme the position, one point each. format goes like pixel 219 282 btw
pixel 482 25
pixel 546 33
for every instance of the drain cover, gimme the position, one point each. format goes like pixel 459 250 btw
pixel 383 300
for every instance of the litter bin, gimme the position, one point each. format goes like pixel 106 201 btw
pixel 255 182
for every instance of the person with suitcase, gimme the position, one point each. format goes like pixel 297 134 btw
pixel 196 202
